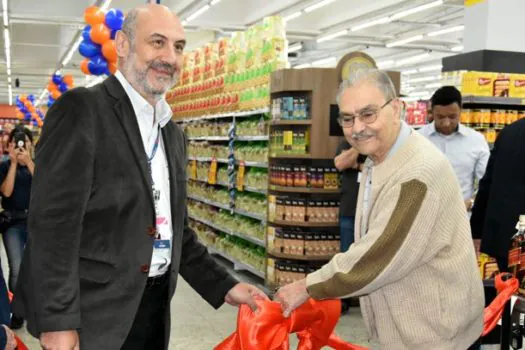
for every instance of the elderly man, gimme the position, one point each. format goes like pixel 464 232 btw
pixel 413 262
pixel 108 225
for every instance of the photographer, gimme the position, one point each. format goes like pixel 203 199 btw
pixel 16 175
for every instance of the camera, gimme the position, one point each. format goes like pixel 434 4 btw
pixel 20 139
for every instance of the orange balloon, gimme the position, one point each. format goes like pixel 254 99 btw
pixel 51 86
pixel 19 115
pixel 31 109
pixel 100 33
pixel 94 15
pixel 84 67
pixel 28 104
pixel 109 50
pixel 23 98
pixel 68 79
pixel 112 66
pixel 55 94
pixel 40 123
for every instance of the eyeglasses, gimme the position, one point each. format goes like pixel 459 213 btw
pixel 366 117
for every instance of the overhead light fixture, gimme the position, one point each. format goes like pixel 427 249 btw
pixel 72 51
pixel 369 24
pixel 458 48
pixel 9 80
pixel 419 94
pixel 184 22
pixel 293 16
pixel 433 86
pixel 324 61
pixel 404 41
pixel 446 31
pixel 7 40
pixel 10 90
pixel 430 68
pixel 295 47
pixel 105 5
pixel 304 65
pixel 385 64
pixel 416 9
pixel 424 79
pixel 8 71
pixel 412 59
pixel 332 36
pixel 4 14
pixel 214 2
pixel 318 5
pixel 95 81
pixel 409 71
pixel 198 13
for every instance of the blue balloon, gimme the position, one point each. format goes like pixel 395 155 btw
pixel 97 65
pixel 114 19
pixel 89 49
pixel 113 34
pixel 23 109
pixel 63 87
pixel 86 32
pixel 31 98
pixel 49 104
pixel 57 79
pixel 27 116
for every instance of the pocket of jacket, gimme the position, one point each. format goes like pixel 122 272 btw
pixel 95 270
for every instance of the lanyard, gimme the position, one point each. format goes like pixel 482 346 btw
pixel 153 153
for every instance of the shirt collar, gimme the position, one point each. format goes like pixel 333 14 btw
pixel 462 130
pixel 404 133
pixel 140 105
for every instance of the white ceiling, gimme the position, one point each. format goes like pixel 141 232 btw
pixel 42 32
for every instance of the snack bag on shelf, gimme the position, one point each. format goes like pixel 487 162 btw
pixel 502 85
pixel 517 85
pixel 478 83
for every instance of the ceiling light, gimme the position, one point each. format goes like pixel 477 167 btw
pixel 6 22
pixel 446 31
pixel 295 47
pixel 385 64
pixel 105 5
pixel 430 68
pixel 304 65
pixel 419 94
pixel 198 13
pixel 411 99
pixel 458 48
pixel 10 95
pixel 409 71
pixel 412 59
pixel 214 2
pixel 9 80
pixel 404 41
pixel 375 22
pixel 72 51
pixel 433 86
pixel 7 41
pixel 332 36
pixel 95 81
pixel 184 22
pixel 324 61
pixel 8 71
pixel 423 79
pixel 416 9
pixel 318 5
pixel 293 16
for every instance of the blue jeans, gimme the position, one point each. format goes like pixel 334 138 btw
pixel 346 224
pixel 15 239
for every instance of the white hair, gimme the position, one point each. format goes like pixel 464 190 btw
pixel 377 77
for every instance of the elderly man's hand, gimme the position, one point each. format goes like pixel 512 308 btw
pixel 244 293
pixel 292 296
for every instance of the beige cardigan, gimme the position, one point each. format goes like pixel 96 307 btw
pixel 415 269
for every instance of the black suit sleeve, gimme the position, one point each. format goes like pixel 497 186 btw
pixel 60 191
pixel 199 269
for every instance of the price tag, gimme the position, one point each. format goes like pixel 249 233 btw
pixel 193 170
pixel 212 174
pixel 240 176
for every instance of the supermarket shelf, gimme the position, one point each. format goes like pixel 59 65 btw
pixel 204 200
pixel 501 101
pixel 237 265
pixel 300 257
pixel 206 182
pixel 209 138
pixel 253 240
pixel 254 190
pixel 250 215
pixel 254 164
pixel 252 138
pixel 303 224
pixel 304 190
pixel 208 159
pixel 291 122
pixel 225 115
pixel 291 156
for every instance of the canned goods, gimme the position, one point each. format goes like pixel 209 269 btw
pixel 485 118
pixel 476 117
pixel 466 117
pixel 512 116
pixel 521 115
pixel 502 119
pixel 494 117
pixel 491 136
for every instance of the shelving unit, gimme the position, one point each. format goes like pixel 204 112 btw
pixel 303 190
pixel 225 115
pixel 237 265
pixel 303 224
pixel 291 122
pixel 250 215
pixel 209 138
pixel 301 257
pixel 255 190
pixel 206 201
pixel 252 138
pixel 500 101
pixel 254 164
pixel 248 238
pixel 208 159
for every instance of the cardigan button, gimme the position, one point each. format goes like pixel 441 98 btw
pixel 144 268
pixel 152 231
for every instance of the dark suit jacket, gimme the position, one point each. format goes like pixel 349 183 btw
pixel 91 219
pixel 501 196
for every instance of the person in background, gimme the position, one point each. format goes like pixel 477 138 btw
pixel 108 224
pixel 7 337
pixel 16 176
pixel 413 264
pixel 465 148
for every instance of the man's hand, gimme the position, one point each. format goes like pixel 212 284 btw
pixel 292 296
pixel 244 293
pixel 347 160
pixel 11 341
pixel 13 153
pixel 23 157
pixel 63 340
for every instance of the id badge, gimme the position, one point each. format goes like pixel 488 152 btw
pixel 161 244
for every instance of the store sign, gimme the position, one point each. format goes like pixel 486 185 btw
pixel 473 2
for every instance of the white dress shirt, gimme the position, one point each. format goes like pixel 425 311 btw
pixel 150 121
pixel 468 152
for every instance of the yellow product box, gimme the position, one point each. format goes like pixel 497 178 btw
pixel 478 83
pixel 501 85
pixel 517 86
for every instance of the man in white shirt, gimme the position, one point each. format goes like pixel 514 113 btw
pixel 465 148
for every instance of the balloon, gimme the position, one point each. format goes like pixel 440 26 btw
pixel 68 79
pixel 49 104
pixel 19 115
pixel 100 33
pixel 98 65
pixel 88 48
pixel 84 66
pixel 55 94
pixel 51 86
pixel 23 98
pixel 86 32
pixel 39 123
pixel 94 15
pixel 114 19
pixel 57 79
pixel 34 115
pixel 28 104
pixel 31 98
pixel 63 87
pixel 109 51
pixel 31 109
pixel 113 34
pixel 112 67
pixel 27 117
